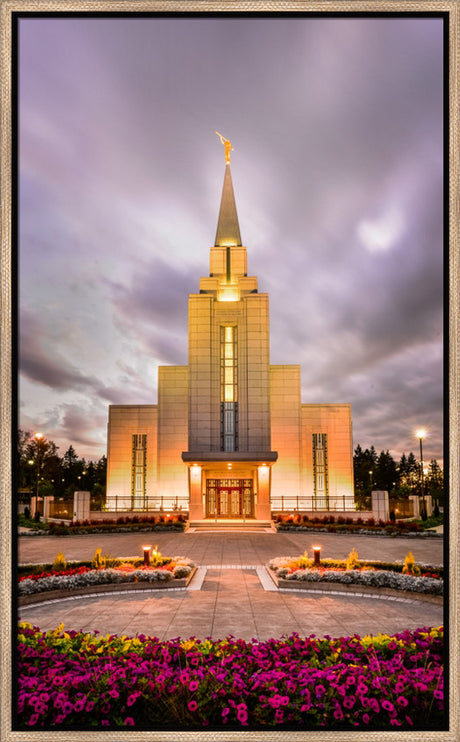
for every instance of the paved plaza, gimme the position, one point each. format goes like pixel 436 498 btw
pixel 230 593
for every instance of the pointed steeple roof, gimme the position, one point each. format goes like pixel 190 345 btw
pixel 228 229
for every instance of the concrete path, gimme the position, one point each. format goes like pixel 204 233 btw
pixel 230 548
pixel 233 601
pixel 232 598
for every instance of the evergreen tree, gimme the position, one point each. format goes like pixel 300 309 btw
pixel 386 474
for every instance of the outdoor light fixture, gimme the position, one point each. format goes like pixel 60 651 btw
pixel 316 555
pixel 421 433
pixel 146 550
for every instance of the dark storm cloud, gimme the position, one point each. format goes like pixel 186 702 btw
pixel 153 308
pixel 46 367
pixel 337 168
pixel 75 427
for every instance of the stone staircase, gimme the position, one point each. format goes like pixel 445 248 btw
pixel 231 526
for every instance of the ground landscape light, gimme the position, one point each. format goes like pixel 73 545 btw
pixel 316 555
pixel 146 550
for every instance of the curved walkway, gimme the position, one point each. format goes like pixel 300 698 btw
pixel 232 601
pixel 232 598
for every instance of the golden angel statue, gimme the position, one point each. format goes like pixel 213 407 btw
pixel 227 145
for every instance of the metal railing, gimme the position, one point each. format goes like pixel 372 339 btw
pixel 293 503
pixel 156 503
pixel 401 508
pixel 61 509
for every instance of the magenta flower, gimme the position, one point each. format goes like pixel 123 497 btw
pixel 349 702
pixel 387 705
pixel 192 705
pixel 129 721
pixel 133 697
pixel 366 718
pixel 401 701
pixel 193 686
pixel 242 714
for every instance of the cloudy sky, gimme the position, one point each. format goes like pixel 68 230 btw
pixel 337 128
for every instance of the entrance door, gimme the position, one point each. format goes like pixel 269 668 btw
pixel 229 498
pixel 229 502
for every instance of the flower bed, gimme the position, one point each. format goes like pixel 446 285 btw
pixel 122 524
pixel 409 577
pixel 104 571
pixel 344 524
pixel 76 680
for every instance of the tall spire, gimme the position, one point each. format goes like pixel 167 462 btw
pixel 228 229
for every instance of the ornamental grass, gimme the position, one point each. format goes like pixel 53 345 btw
pixel 79 680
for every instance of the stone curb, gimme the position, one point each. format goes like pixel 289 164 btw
pixel 118 587
pixel 361 590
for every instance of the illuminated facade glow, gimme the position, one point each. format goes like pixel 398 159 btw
pixel 229 436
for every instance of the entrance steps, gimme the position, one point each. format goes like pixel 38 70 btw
pixel 230 525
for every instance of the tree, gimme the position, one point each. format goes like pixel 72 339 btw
pixel 364 462
pixel 434 481
pixel 386 473
pixel 409 471
pixel 37 458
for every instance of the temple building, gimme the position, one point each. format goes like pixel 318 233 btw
pixel 229 437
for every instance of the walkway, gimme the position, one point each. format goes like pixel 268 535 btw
pixel 233 598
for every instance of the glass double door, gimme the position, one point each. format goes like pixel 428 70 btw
pixel 229 498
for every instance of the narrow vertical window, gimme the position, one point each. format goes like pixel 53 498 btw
pixel 320 473
pixel 228 388
pixel 138 470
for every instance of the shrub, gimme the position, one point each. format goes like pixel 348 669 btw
pixel 59 562
pixel 98 561
pixel 352 561
pixel 409 565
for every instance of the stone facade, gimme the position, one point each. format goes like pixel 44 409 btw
pixel 229 437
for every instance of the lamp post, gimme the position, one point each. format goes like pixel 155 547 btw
pixel 421 435
pixel 38 437
pixel 371 479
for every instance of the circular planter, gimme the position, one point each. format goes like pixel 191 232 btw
pixel 46 595
pixel 359 590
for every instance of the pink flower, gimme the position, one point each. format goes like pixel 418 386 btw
pixel 192 705
pixel 401 701
pixel 349 702
pixel 242 713
pixel 132 698
pixel 193 686
pixel 129 721
pixel 366 718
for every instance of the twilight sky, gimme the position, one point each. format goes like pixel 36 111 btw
pixel 337 127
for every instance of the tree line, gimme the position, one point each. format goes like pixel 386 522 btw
pixel 39 465
pixel 401 478
pixel 40 468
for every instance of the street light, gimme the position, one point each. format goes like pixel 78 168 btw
pixel 371 479
pixel 421 434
